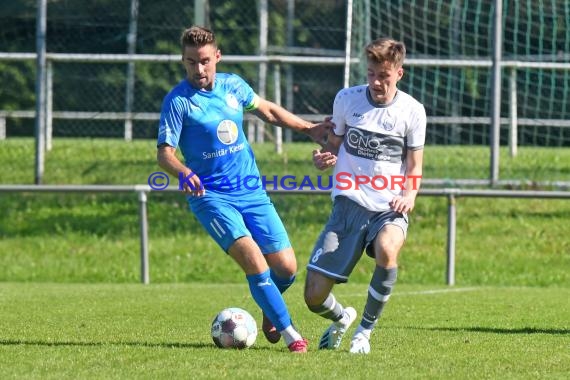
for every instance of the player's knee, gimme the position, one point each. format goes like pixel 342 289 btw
pixel 286 271
pixel 387 259
pixel 314 308
pixel 309 295
pixel 386 254
pixel 314 296
pixel 283 263
pixel 290 270
pixel 313 301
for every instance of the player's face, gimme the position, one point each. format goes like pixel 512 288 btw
pixel 200 64
pixel 382 80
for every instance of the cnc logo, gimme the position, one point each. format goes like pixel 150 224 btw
pixel 374 146
pixel 358 139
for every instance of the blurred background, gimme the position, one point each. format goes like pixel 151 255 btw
pixel 80 105
pixel 298 53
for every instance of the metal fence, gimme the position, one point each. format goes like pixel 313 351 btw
pixel 97 68
pixel 452 195
pixel 101 70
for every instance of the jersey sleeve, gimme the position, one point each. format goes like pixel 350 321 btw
pixel 417 132
pixel 338 117
pixel 244 93
pixel 253 104
pixel 171 120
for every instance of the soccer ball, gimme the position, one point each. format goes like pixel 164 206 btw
pixel 234 328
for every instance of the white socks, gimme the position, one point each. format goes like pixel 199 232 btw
pixel 365 332
pixel 290 335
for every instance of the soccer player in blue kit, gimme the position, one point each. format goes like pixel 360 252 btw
pixel 203 115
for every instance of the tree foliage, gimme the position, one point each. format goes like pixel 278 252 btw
pixel 102 26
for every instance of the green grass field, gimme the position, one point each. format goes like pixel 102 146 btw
pixel 113 161
pixel 112 331
pixel 71 305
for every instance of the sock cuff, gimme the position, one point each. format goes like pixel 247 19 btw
pixel 382 282
pixel 282 281
pixel 258 277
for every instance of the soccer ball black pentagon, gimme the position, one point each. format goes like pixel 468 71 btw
pixel 234 328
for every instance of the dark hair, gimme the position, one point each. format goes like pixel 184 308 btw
pixel 197 36
pixel 386 50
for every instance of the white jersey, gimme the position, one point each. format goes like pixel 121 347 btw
pixel 372 158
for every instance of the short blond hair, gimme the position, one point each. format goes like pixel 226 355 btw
pixel 386 50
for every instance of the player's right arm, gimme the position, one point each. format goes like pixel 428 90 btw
pixel 166 157
pixel 326 158
pixel 169 131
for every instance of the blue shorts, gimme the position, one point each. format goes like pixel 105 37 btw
pixel 226 220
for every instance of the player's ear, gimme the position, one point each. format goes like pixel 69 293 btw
pixel 218 55
pixel 400 73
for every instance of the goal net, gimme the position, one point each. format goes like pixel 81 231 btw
pixel 458 98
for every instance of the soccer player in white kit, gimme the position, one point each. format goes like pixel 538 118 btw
pixel 376 149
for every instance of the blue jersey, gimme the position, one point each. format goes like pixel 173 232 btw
pixel 208 128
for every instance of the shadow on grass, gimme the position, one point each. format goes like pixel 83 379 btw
pixel 18 342
pixel 496 330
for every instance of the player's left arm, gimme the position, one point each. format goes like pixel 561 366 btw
pixel 275 114
pixel 414 168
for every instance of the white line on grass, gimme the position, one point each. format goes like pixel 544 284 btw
pixel 437 291
pixel 422 292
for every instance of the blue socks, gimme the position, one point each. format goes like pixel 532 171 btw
pixel 282 283
pixel 268 296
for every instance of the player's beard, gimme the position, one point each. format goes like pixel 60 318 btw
pixel 202 82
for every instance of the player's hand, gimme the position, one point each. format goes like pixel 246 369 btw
pixel 320 131
pixel 192 185
pixel 323 160
pixel 402 204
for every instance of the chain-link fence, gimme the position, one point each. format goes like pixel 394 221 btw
pixel 313 28
pixel 89 99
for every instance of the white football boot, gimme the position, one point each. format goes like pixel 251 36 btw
pixel 332 337
pixel 360 344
